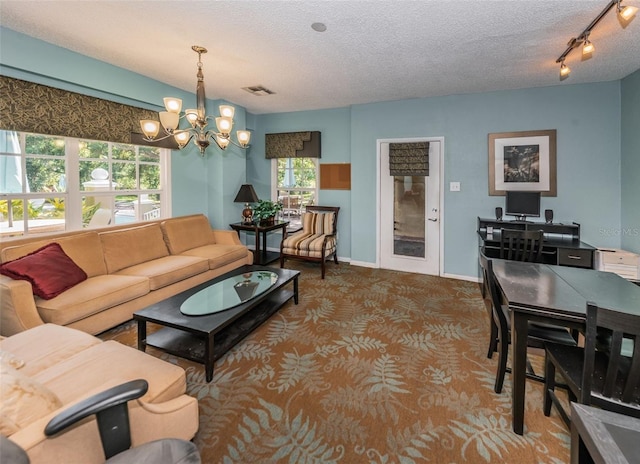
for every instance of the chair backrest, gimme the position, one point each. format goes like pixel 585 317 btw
pixel 521 245
pixel 332 226
pixel 621 390
pixel 101 218
pixel 496 302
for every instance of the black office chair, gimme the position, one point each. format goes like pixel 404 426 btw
pixel 610 378
pixel 521 245
pixel 112 414
pixel 539 334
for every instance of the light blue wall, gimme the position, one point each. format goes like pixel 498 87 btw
pixel 587 120
pixel 336 148
pixel 591 120
pixel 199 185
pixel 630 231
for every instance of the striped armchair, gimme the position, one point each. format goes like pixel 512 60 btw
pixel 317 240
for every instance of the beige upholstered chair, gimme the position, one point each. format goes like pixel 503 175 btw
pixel 317 240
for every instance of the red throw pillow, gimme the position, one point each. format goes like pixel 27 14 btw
pixel 49 269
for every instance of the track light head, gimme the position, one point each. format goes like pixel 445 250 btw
pixel 564 71
pixel 628 12
pixel 588 48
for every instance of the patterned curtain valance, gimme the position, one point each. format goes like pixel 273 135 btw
pixel 409 159
pixel 292 145
pixel 29 107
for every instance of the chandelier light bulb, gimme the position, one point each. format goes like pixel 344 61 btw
pixel 222 142
pixel 149 128
pixel 224 125
pixel 172 105
pixel 244 137
pixel 192 116
pixel 227 111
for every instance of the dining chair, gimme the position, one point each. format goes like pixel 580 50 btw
pixel 539 334
pixel 521 245
pixel 610 378
pixel 318 239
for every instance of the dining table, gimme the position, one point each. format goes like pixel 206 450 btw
pixel 554 295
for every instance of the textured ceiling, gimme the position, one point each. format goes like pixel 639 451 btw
pixel 371 51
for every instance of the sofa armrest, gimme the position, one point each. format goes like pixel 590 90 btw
pixel 174 418
pixel 18 310
pixel 226 237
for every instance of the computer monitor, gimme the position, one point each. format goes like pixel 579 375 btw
pixel 522 204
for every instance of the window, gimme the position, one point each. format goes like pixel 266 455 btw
pixel 64 183
pixel 296 186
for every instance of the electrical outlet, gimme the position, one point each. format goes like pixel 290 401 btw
pixel 454 186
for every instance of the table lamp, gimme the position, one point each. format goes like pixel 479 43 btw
pixel 246 195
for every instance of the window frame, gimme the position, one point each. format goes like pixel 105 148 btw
pixel 276 190
pixel 74 193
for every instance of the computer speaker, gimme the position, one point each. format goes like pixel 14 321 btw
pixel 499 213
pixel 548 215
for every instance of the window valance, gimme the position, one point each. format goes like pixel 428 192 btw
pixel 29 107
pixel 409 159
pixel 293 145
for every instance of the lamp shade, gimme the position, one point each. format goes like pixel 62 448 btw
pixel 246 194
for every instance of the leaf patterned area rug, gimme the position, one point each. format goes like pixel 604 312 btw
pixel 372 366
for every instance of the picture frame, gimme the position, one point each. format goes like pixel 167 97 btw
pixel 523 161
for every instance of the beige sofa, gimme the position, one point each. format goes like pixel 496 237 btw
pixel 47 369
pixel 128 268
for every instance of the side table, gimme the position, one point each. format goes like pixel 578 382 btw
pixel 260 254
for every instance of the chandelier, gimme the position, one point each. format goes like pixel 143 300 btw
pixel 170 120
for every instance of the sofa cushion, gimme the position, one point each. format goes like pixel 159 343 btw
pixel 167 270
pixel 128 247
pixel 218 254
pixel 182 234
pixel 72 378
pixel 23 400
pixel 62 343
pixel 49 269
pixel 11 360
pixel 90 297
pixel 84 249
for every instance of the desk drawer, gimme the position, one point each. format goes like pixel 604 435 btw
pixel 575 258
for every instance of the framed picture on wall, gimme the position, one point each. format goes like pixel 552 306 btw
pixel 523 161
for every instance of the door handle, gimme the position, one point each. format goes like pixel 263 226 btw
pixel 433 219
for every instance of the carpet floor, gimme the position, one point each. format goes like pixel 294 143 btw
pixel 372 366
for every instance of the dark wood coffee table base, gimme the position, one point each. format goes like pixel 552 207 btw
pixel 204 339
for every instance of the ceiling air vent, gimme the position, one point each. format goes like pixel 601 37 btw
pixel 258 90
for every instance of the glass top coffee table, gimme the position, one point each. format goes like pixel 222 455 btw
pixel 225 309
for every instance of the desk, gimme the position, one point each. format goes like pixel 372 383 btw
pixel 602 437
pixel 561 245
pixel 556 295
pixel 261 255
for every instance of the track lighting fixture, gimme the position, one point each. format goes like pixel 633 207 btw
pixel 626 13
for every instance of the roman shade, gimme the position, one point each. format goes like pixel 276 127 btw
pixel 409 159
pixel 292 145
pixel 30 107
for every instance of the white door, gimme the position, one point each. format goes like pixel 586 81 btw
pixel 409 213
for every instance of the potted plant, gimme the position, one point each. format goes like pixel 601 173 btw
pixel 264 212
